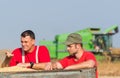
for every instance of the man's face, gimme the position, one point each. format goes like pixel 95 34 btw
pixel 72 49
pixel 27 43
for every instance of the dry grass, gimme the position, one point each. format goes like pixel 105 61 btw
pixel 109 69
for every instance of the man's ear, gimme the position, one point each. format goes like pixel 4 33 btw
pixel 79 46
pixel 33 41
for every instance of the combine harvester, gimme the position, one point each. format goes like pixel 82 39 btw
pixel 94 40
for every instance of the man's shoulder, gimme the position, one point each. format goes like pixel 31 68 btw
pixel 17 50
pixel 88 52
pixel 42 46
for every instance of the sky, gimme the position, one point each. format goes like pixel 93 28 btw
pixel 48 18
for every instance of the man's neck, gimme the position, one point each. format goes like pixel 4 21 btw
pixel 31 50
pixel 79 54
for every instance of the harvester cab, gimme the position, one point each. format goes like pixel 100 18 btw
pixel 103 41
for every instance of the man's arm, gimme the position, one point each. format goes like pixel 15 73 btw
pixel 86 64
pixel 37 66
pixel 8 57
pixel 42 66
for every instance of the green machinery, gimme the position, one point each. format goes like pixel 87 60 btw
pixel 94 40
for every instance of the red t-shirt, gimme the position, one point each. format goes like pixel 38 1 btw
pixel 69 60
pixel 43 56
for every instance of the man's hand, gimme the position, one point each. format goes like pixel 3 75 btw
pixel 56 65
pixel 9 55
pixel 6 61
pixel 48 66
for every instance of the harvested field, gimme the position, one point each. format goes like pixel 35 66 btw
pixel 109 69
pixel 109 76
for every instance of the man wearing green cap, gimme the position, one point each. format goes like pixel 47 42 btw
pixel 78 58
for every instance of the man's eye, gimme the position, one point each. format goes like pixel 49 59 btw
pixel 68 45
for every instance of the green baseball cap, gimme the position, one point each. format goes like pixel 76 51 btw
pixel 73 38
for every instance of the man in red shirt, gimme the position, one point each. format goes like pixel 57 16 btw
pixel 78 58
pixel 30 55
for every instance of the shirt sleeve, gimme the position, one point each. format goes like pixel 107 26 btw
pixel 44 54
pixel 16 58
pixel 13 59
pixel 12 62
pixel 63 62
pixel 90 56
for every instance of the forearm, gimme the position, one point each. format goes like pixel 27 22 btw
pixel 36 66
pixel 39 66
pixel 86 64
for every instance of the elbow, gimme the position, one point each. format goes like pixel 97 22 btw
pixel 91 64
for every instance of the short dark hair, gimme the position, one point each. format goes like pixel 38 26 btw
pixel 28 33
